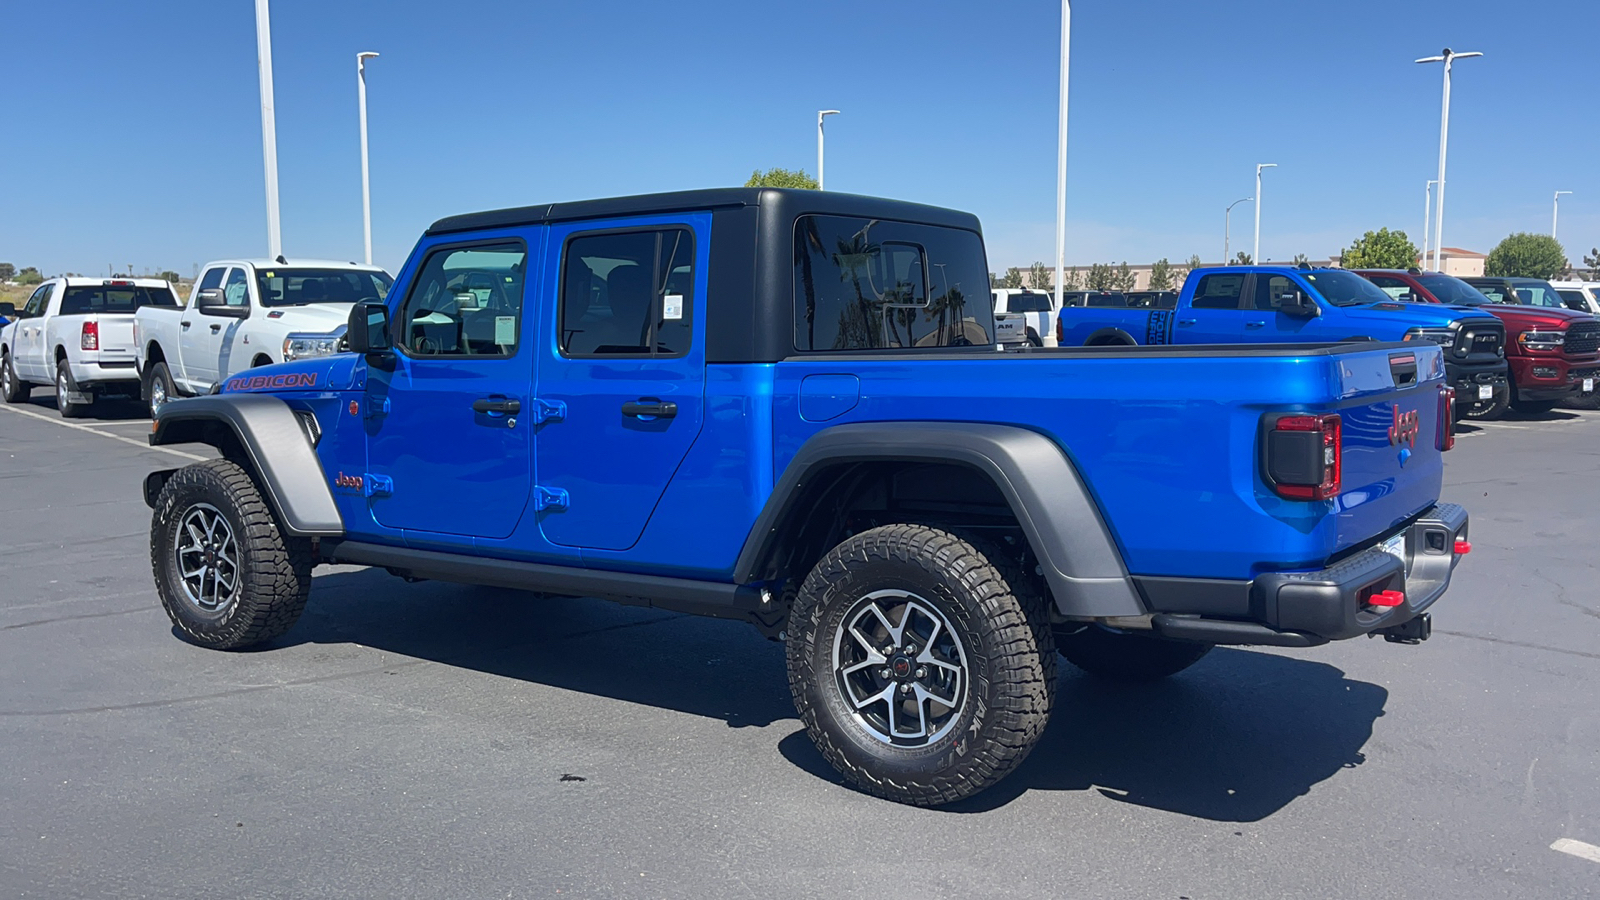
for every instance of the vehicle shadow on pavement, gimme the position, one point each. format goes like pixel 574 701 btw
pixel 108 410
pixel 1234 739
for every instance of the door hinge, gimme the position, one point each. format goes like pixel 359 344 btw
pixel 545 410
pixel 379 486
pixel 549 498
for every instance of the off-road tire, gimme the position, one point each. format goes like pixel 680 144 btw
pixel 159 375
pixel 66 384
pixel 991 606
pixel 1488 410
pixel 12 388
pixel 1125 656
pixel 274 569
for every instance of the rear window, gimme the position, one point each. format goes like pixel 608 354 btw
pixel 299 287
pixel 113 299
pixel 1023 303
pixel 871 284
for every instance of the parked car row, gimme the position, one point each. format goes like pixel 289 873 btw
pixel 1517 343
pixel 95 338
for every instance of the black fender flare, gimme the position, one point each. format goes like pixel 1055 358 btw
pixel 1098 338
pixel 285 464
pixel 1076 552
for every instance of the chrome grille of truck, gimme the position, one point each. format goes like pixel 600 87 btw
pixel 1481 337
pixel 1582 337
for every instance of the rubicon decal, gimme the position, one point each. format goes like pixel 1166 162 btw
pixel 259 382
pixel 1406 427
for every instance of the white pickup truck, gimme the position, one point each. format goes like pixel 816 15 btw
pixel 1024 317
pixel 245 313
pixel 77 333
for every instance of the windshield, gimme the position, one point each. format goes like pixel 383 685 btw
pixel 113 299
pixel 297 287
pixel 1538 294
pixel 1345 288
pixel 1452 291
pixel 1028 303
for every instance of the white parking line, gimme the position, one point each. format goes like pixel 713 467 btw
pixel 1578 849
pixel 92 430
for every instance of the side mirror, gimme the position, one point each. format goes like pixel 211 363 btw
pixel 1300 306
pixel 367 330
pixel 8 309
pixel 211 302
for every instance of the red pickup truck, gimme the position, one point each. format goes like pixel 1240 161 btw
pixel 1553 352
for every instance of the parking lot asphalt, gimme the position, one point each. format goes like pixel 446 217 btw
pixel 434 740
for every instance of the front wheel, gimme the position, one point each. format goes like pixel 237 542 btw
pixel 1491 409
pixel 65 388
pixel 1533 407
pixel 1125 656
pixel 228 577
pixel 921 665
pixel 12 388
pixel 1583 400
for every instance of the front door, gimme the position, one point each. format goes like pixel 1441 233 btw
pixel 30 350
pixel 450 425
pixel 626 359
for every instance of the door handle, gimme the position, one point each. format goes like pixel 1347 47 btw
pixel 216 328
pixel 497 405
pixel 1255 324
pixel 186 325
pixel 650 406
pixel 1187 322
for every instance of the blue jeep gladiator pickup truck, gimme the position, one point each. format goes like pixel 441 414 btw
pixel 785 407
pixel 1277 304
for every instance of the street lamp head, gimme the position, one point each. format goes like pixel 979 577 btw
pixel 825 112
pixel 367 54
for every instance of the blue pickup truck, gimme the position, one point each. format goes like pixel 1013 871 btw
pixel 1278 304
pixel 785 407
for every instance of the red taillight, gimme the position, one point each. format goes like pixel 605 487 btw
pixel 1447 418
pixel 1061 333
pixel 90 339
pixel 1305 456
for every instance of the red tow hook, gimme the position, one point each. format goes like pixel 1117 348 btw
pixel 1463 548
pixel 1387 598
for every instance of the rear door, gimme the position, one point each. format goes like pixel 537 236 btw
pixel 1216 313
pixel 197 358
pixel 623 359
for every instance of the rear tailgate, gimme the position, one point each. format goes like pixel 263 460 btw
pixel 1392 420
pixel 1010 328
pixel 116 337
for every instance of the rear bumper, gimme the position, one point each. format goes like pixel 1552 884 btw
pixel 106 373
pixel 1303 609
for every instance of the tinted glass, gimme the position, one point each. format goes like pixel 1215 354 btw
pixel 1394 287
pixel 1498 292
pixel 114 299
pixel 1028 303
pixel 1218 291
pixel 1452 290
pixel 1574 299
pixel 36 303
pixel 1113 300
pixel 236 290
pixel 298 287
pixel 1345 288
pixel 629 293
pixel 869 284
pixel 466 301
pixel 1273 291
pixel 212 279
pixel 1538 294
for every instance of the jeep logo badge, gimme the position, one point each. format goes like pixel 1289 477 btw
pixel 1405 428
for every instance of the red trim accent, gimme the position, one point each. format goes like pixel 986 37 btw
pixel 1387 598
pixel 1463 548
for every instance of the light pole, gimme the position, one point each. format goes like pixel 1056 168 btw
pixel 821 114
pixel 366 184
pixel 1427 212
pixel 1448 57
pixel 1255 255
pixel 1555 210
pixel 1061 153
pixel 269 126
pixel 1227 227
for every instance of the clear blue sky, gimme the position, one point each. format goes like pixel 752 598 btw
pixel 135 127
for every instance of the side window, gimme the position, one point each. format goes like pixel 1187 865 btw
pixel 1218 291
pixel 465 301
pixel 628 293
pixel 1392 286
pixel 868 284
pixel 36 303
pixel 1272 292
pixel 236 291
pixel 209 281
pixel 1494 292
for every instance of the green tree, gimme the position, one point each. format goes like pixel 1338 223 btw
pixel 782 178
pixel 1101 277
pixel 7 270
pixel 1011 279
pixel 1300 259
pixel 1242 259
pixel 1039 276
pixel 1161 275
pixel 1592 261
pixel 168 275
pixel 29 276
pixel 1071 280
pixel 1381 249
pixel 1124 279
pixel 1194 262
pixel 1524 255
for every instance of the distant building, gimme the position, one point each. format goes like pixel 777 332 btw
pixel 1461 263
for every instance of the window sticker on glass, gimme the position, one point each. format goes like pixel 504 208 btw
pixel 672 307
pixel 505 330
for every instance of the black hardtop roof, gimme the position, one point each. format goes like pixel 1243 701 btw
pixel 785 202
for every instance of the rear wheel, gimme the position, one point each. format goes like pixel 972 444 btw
pixel 1033 339
pixel 1126 656
pixel 65 388
pixel 921 665
pixel 1493 408
pixel 1533 407
pixel 12 388
pixel 228 577
pixel 159 389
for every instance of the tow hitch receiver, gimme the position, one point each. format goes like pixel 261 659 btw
pixel 1414 631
